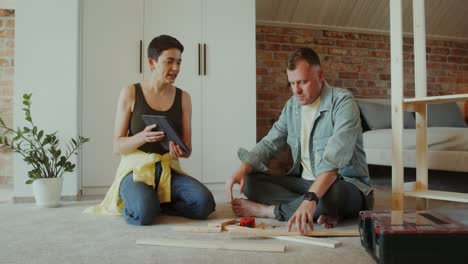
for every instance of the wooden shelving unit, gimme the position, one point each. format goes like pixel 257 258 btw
pixel 418 105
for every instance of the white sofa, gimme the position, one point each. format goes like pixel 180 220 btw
pixel 447 146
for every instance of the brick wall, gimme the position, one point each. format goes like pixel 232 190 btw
pixel 358 62
pixel 7 46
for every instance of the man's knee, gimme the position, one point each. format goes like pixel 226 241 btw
pixel 334 195
pixel 248 188
pixel 251 187
pixel 342 199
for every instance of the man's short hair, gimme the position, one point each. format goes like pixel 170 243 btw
pixel 162 43
pixel 306 54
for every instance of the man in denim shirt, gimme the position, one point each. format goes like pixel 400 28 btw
pixel 329 179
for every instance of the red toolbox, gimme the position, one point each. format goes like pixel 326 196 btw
pixel 413 237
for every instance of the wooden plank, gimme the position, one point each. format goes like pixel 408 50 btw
pixel 439 195
pixel 264 233
pixel 310 240
pixel 214 244
pixel 299 239
pixel 436 99
pixel 222 223
pixel 396 65
pixel 421 153
pixel 420 66
pixel 197 229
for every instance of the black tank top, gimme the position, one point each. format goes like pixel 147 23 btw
pixel 174 114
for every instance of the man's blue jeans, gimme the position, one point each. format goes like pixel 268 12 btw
pixel 189 198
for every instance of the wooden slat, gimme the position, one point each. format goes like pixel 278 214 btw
pixel 299 239
pixel 214 244
pixel 396 65
pixel 420 83
pixel 310 241
pixel 439 195
pixel 197 229
pixel 335 233
pixel 435 99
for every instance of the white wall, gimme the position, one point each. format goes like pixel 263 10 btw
pixel 8 4
pixel 47 65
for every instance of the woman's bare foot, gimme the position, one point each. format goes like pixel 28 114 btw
pixel 244 207
pixel 327 221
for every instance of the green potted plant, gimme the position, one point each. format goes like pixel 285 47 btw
pixel 43 153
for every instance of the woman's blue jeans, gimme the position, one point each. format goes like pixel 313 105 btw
pixel 189 198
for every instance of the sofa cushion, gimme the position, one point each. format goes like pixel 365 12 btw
pixel 447 148
pixel 378 115
pixel 445 115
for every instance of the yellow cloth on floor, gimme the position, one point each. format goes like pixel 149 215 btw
pixel 143 166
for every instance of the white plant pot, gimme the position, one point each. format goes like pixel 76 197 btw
pixel 47 191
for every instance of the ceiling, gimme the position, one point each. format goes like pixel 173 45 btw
pixel 444 18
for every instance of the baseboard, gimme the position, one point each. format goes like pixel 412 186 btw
pixel 87 191
pixel 30 199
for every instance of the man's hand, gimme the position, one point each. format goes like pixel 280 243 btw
pixel 303 215
pixel 238 178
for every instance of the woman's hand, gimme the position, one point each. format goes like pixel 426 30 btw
pixel 176 151
pixel 148 135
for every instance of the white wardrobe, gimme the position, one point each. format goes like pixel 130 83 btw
pixel 218 70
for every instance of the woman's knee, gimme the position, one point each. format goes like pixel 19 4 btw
pixel 205 205
pixel 143 210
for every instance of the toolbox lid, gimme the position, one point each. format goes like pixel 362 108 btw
pixel 413 222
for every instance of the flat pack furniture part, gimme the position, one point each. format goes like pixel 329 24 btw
pixel 213 227
pixel 418 105
pixel 215 244
pixel 198 229
pixel 299 239
pixel 264 233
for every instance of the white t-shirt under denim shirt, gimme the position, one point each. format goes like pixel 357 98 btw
pixel 307 122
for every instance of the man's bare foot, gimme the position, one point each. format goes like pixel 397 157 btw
pixel 244 207
pixel 327 221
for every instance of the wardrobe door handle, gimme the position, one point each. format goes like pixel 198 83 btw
pixel 204 59
pixel 199 62
pixel 141 56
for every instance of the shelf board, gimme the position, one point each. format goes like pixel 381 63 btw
pixel 436 99
pixel 439 195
